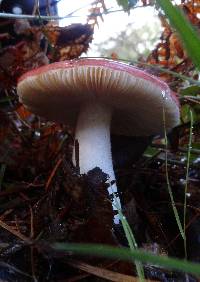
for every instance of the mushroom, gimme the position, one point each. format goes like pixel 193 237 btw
pixel 97 96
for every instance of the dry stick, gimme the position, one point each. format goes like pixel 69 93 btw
pixel 17 224
pixel 7 193
pixel 105 273
pixel 22 120
pixel 82 276
pixel 7 212
pixel 190 97
pixel 178 234
pixel 13 269
pixel 53 173
pixel 35 7
pixel 32 225
pixel 48 8
pixel 31 17
pixel 33 269
pixel 193 100
pixel 76 278
pixel 14 232
pixel 53 18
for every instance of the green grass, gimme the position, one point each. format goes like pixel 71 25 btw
pixel 187 32
pixel 187 178
pixel 191 41
pixel 126 254
pixel 168 181
pixel 182 227
pixel 130 238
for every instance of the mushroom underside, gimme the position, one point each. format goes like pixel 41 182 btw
pixel 137 104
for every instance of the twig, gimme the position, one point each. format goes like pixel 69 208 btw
pixel 2 172
pixel 32 17
pixel 186 227
pixel 53 18
pixel 13 269
pixel 104 273
pixel 32 225
pixel 53 173
pixel 7 212
pixel 14 232
pixel 36 7
pixel 33 269
pixel 48 8
pixel 192 99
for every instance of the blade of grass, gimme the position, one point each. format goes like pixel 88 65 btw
pixel 168 181
pixel 130 238
pixel 126 254
pixel 133 246
pixel 188 34
pixel 187 178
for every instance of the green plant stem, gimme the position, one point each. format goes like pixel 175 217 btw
pixel 188 34
pixel 168 181
pixel 130 238
pixel 187 178
pixel 126 254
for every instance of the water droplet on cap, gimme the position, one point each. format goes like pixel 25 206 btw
pixel 163 94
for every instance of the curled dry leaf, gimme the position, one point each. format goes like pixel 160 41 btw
pixel 169 52
pixel 95 12
pixel 28 46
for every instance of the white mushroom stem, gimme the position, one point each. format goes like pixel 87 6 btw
pixel 93 136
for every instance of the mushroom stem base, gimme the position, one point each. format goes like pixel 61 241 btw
pixel 93 136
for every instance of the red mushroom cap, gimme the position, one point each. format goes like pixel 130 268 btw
pixel 56 91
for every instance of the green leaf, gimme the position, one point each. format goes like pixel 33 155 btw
pixel 188 34
pixel 124 4
pixel 150 152
pixel 126 254
pixel 192 90
pixel 184 113
pixel 130 238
